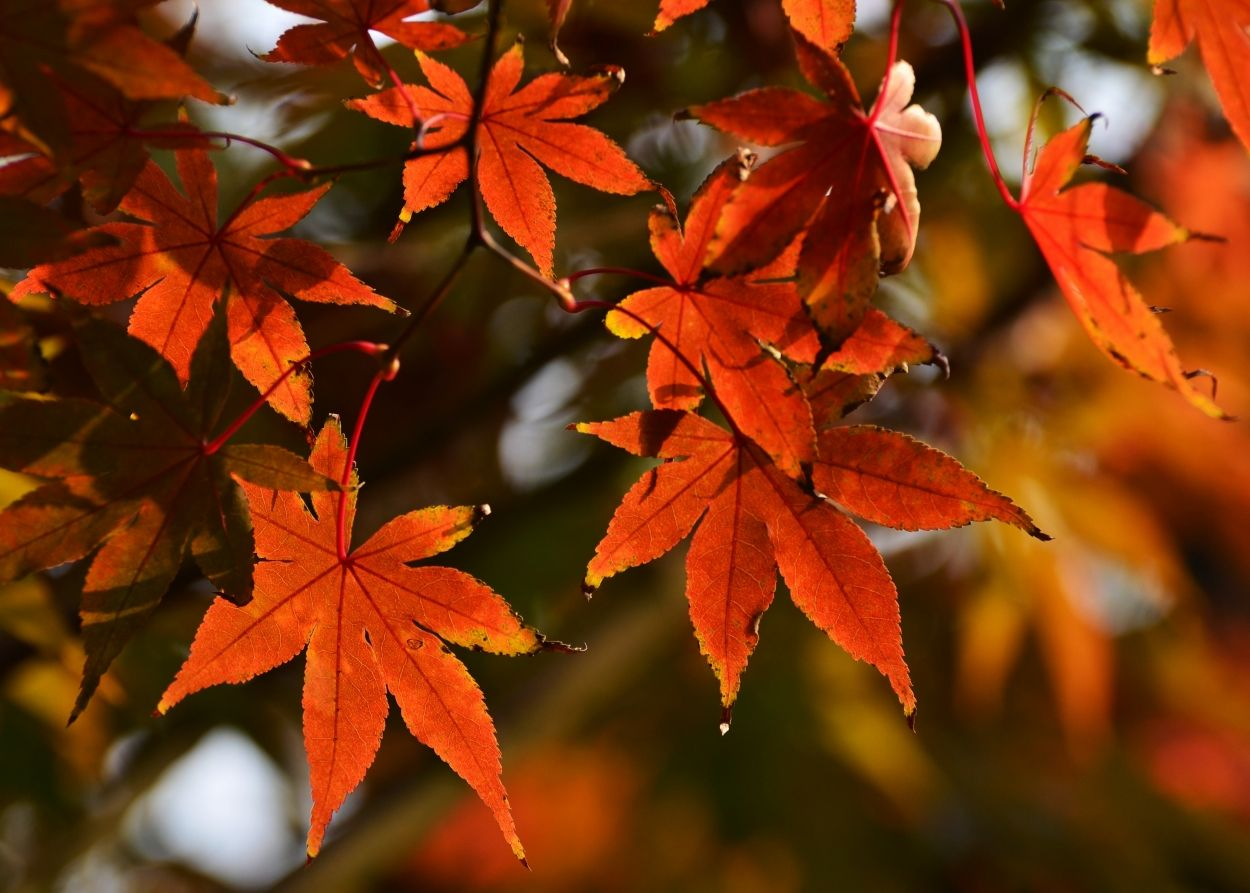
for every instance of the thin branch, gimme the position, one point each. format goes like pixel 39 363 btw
pixel 970 73
pixel 369 348
pixel 387 373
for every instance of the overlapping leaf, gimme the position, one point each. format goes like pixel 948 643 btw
pixel 757 519
pixel 826 23
pixel 719 323
pixel 343 30
pixel 518 129
pixel 183 262
pixel 103 147
pixel 853 374
pixel 1221 28
pixel 133 482
pixel 1076 228
pixel 372 623
pixel 71 36
pixel 848 180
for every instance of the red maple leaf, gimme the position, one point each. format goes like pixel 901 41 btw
pixel 719 322
pixel 848 181
pixel 133 482
pixel 372 623
pixel 517 130
pixel 1220 27
pixel 344 28
pixel 1076 228
pixel 181 261
pixel 757 519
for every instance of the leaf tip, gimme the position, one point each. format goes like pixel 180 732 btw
pixel 590 585
pixel 726 718
pixel 545 644
pixel 480 513
pixel 910 715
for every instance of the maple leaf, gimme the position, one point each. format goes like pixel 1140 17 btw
pixel 134 482
pixel 1221 29
pixel 1076 228
pixel 826 23
pixel 103 148
pixel 757 519
pixel 879 344
pixel 518 129
pixel 371 623
pixel 720 322
pixel 854 373
pixel 848 180
pixel 181 262
pixel 343 30
pixel 71 36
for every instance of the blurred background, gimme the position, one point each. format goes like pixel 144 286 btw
pixel 1084 720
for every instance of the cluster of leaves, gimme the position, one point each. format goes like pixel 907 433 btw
pixel 765 322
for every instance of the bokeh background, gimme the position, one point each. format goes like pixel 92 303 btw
pixel 1084 718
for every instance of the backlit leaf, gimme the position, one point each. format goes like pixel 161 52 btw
pixel 183 262
pixel 1076 229
pixel 1220 27
pixel 848 180
pixel 343 30
pixel 371 623
pixel 519 129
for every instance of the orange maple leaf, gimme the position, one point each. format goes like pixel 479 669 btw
pixel 181 261
pixel 848 180
pixel 826 23
pixel 757 519
pixel 1076 229
pixel 371 623
pixel 344 28
pixel 517 130
pixel 1221 28
pixel 719 322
